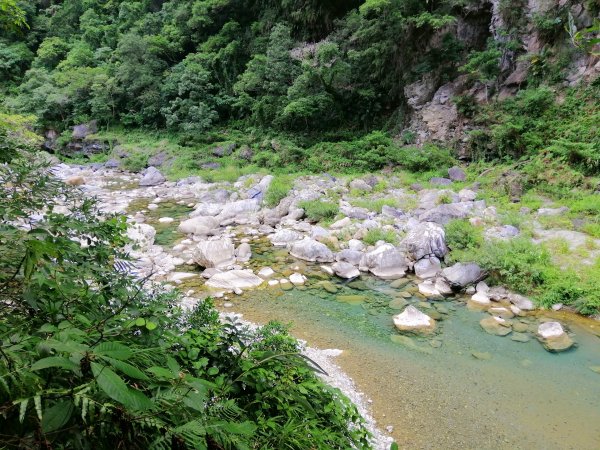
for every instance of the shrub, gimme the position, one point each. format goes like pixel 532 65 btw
pixel 136 162
pixel 428 158
pixel 378 234
pixel 317 210
pixel 278 189
pixel 377 204
pixel 462 235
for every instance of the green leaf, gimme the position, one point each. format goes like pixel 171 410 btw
pixel 140 322
pixel 57 416
pixel 37 400
pixel 55 361
pixel 150 326
pixel 213 371
pixel 394 446
pixel 162 372
pixel 68 347
pixel 127 369
pixel 113 350
pixel 114 386
pixel 173 365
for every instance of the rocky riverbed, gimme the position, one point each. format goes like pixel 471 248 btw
pixel 219 240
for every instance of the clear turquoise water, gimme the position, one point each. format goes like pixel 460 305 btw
pixel 523 397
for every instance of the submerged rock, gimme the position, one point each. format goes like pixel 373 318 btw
pixel 495 326
pixel 414 321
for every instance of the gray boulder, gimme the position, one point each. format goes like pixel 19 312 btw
pixel 440 181
pixel 83 130
pixel 223 150
pixel 311 250
pixel 350 256
pixel 284 237
pixel 462 275
pixel 218 253
pixel 158 160
pixel 360 185
pixel 241 207
pixel 152 177
pixel 427 267
pixel 345 270
pixel 385 262
pixel 456 174
pixel 112 164
pixel 442 214
pixel 201 225
pixel 425 240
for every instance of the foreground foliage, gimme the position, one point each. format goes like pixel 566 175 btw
pixel 91 357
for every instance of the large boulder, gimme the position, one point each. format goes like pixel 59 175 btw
pixel 284 237
pixel 239 208
pixel 553 337
pixel 414 321
pixel 142 235
pixel 83 130
pixel 234 280
pixel 152 177
pixel 425 240
pixel 427 267
pixel 456 174
pixel 350 256
pixel 258 192
pixel 311 250
pixel 462 275
pixel 386 262
pixel 444 213
pixel 199 226
pixel 345 270
pixel 244 252
pixel 218 253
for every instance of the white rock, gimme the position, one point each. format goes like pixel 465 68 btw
pixel 425 239
pixel 234 279
pixel 152 206
pixel 411 319
pixel 549 330
pixel 166 220
pixel 427 267
pixel 328 270
pixel 243 252
pixel 481 298
pixel 427 288
pixel 218 253
pixel 199 225
pixel 385 262
pixel 284 237
pixel 266 272
pixel 342 223
pixel 311 250
pixel 297 279
pixel 345 270
pixel 356 245
pixel 273 282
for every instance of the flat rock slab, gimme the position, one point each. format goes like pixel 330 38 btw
pixel 234 279
pixel 414 321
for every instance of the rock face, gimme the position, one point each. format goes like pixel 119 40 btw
pixel 386 262
pixel 218 254
pixel 462 275
pixel 345 270
pixel 234 280
pixel 199 225
pixel 426 239
pixel 311 250
pixel 152 177
pixel 553 337
pixel 414 321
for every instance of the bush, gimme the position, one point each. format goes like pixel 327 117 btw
pixel 278 189
pixel 378 234
pixel 317 210
pixel 377 204
pixel 590 204
pixel 428 158
pixel 461 235
pixel 136 162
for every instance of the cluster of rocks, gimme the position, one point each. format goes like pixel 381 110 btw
pixel 224 212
